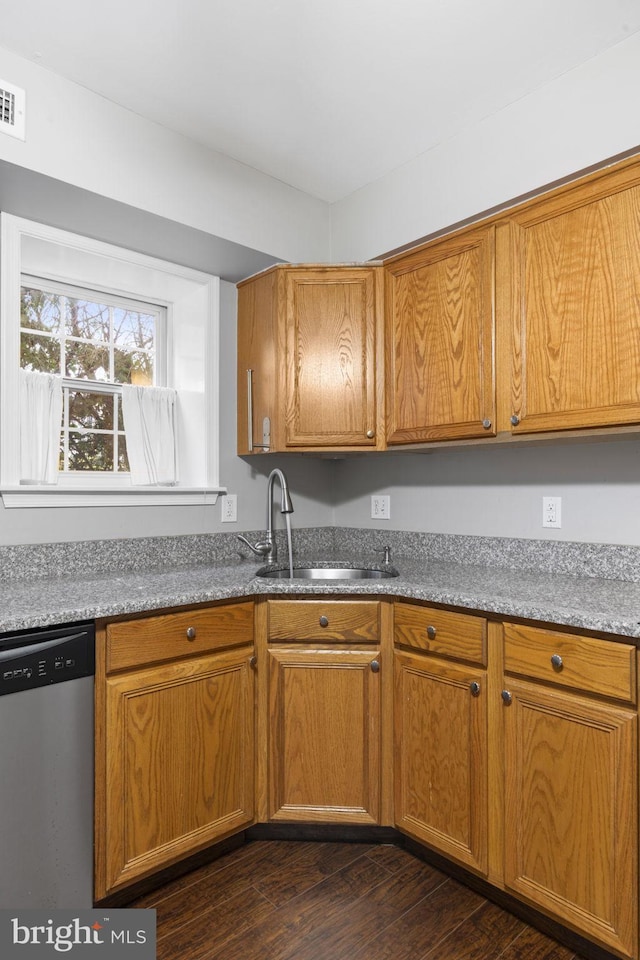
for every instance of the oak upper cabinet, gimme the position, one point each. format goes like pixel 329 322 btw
pixel 175 738
pixel 439 308
pixel 569 295
pixel 570 814
pixel 324 708
pixel 309 344
pixel 441 731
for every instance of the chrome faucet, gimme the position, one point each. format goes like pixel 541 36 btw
pixel 267 548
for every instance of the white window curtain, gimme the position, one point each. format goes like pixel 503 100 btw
pixel 150 417
pixel 40 425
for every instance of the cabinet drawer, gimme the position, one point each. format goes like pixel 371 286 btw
pixel 352 620
pixel 581 663
pixel 459 636
pixel 133 643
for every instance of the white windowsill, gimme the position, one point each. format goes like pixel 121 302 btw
pixel 36 496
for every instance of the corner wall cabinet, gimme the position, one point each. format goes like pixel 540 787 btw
pixel 308 339
pixel 175 738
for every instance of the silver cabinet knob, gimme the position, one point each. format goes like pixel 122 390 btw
pixel 431 632
pixel 323 621
pixel 515 420
pixel 556 662
pixel 486 424
pixel 507 699
pixel 375 666
pixel 253 661
pixel 191 633
pixel 474 686
pixel 371 434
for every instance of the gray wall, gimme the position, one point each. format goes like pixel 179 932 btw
pixel 497 491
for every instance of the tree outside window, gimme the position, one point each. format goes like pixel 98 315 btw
pixel 95 343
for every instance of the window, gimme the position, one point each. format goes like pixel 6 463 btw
pixel 101 317
pixel 95 343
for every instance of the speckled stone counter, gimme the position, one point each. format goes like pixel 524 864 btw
pixel 501 585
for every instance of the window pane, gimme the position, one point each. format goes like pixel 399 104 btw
pixel 87 319
pixel 39 310
pixel 123 459
pixel 86 361
pixel 39 353
pixel 133 330
pixel 135 367
pixel 90 451
pixel 93 411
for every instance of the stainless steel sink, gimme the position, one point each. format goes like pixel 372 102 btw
pixel 328 573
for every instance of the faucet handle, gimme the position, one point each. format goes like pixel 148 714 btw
pixel 261 548
pixel 387 554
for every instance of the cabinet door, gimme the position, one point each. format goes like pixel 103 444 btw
pixel 440 323
pixel 179 761
pixel 441 756
pixel 570 810
pixel 574 278
pixel 330 323
pixel 324 748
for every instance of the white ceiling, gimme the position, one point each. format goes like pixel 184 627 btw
pixel 325 95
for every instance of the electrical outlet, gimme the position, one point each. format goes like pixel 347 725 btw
pixel 229 508
pixel 552 512
pixel 381 507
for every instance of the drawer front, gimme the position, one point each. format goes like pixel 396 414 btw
pixel 356 621
pixel 581 663
pixel 134 643
pixel 459 636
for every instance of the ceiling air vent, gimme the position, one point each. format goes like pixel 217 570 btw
pixel 12 107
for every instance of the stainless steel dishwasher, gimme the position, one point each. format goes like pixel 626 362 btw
pixel 46 767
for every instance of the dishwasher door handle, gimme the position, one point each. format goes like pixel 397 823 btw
pixel 16 652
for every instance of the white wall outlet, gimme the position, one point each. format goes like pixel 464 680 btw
pixel 229 508
pixel 381 507
pixel 552 512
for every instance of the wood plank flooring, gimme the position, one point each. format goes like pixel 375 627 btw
pixel 299 900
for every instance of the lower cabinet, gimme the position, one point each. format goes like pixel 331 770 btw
pixel 441 757
pixel 324 747
pixel 324 709
pixel 570 825
pixel 441 732
pixel 175 753
pixel 524 771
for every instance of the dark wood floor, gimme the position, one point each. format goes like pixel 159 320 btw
pixel 299 900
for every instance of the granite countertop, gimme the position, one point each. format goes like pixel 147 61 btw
pixel 607 606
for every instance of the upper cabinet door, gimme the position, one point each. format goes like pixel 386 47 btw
pixel 572 299
pixel 330 318
pixel 440 340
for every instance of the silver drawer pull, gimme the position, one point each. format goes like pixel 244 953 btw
pixel 474 686
pixel 191 633
pixel 556 662
pixel 375 666
pixel 507 699
pixel 431 632
pixel 324 621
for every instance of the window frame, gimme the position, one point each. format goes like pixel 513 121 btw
pixel 192 302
